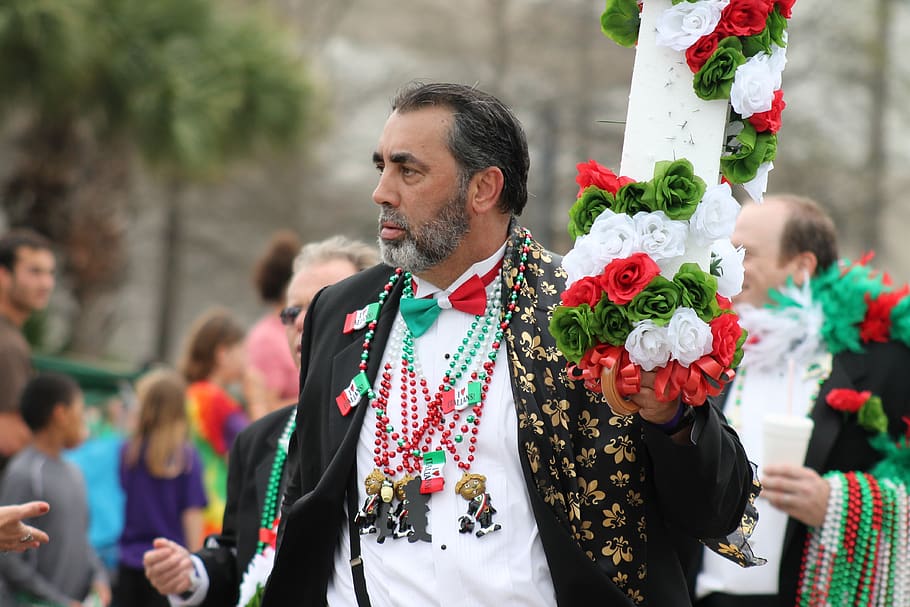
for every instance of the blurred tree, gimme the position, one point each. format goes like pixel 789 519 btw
pixel 183 86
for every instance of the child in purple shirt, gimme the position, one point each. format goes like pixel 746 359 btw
pixel 161 474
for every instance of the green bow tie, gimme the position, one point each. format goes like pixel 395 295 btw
pixel 420 314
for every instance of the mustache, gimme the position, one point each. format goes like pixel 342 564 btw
pixel 390 215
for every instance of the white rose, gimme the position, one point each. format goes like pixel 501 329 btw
pixel 753 86
pixel 727 266
pixel 648 345
pixel 578 262
pixel 777 62
pixel 757 187
pixel 715 216
pixel 659 236
pixel 681 25
pixel 612 236
pixel 689 336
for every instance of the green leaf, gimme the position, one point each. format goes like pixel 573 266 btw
pixel 872 416
pixel 741 165
pixel 776 26
pixel 759 43
pixel 620 22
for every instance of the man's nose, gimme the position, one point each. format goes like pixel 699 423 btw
pixel 384 194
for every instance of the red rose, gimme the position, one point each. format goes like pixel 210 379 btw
pixel 744 17
pixel 722 302
pixel 725 332
pixel 623 279
pixel 785 7
pixel 591 173
pixel 876 325
pixel 847 400
pixel 770 121
pixel 584 290
pixel 704 47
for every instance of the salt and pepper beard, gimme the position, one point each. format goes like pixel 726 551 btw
pixel 425 246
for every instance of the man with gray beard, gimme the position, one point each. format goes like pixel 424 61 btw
pixel 442 455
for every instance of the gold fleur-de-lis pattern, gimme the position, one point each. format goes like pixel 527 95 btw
pixel 585 461
pixel 582 457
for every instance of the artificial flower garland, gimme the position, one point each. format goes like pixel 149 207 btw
pixel 635 299
pixel 736 50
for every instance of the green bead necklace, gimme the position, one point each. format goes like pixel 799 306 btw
pixel 271 507
pixel 399 451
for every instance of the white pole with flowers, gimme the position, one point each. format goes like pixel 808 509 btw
pixel 652 271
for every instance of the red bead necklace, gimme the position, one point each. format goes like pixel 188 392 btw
pixel 398 451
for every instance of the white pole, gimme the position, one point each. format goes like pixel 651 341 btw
pixel 666 120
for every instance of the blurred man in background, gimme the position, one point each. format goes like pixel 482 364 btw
pixel 26 283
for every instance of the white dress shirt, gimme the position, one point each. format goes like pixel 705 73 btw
pixel 506 566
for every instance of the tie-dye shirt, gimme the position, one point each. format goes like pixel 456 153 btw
pixel 215 420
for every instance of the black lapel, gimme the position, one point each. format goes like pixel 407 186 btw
pixel 828 422
pixel 345 365
pixel 269 446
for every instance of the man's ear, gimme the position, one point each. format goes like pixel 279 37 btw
pixel 803 266
pixel 58 413
pixel 484 190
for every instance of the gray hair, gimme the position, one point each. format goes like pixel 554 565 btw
pixel 485 133
pixel 359 253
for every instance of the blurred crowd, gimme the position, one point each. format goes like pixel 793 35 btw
pixel 151 463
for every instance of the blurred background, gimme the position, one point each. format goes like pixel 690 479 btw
pixel 161 144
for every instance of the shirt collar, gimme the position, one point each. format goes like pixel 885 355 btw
pixel 424 288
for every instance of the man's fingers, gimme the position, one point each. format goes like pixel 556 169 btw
pixel 167 567
pixel 783 470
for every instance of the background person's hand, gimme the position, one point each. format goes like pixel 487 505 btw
pixel 168 567
pixel 103 592
pixel 16 536
pixel 798 491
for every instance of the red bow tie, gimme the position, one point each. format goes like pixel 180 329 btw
pixel 470 297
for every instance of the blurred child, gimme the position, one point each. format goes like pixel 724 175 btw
pixel 213 360
pixel 161 475
pixel 67 571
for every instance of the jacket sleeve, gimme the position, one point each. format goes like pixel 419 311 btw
pixel 703 487
pixel 219 556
